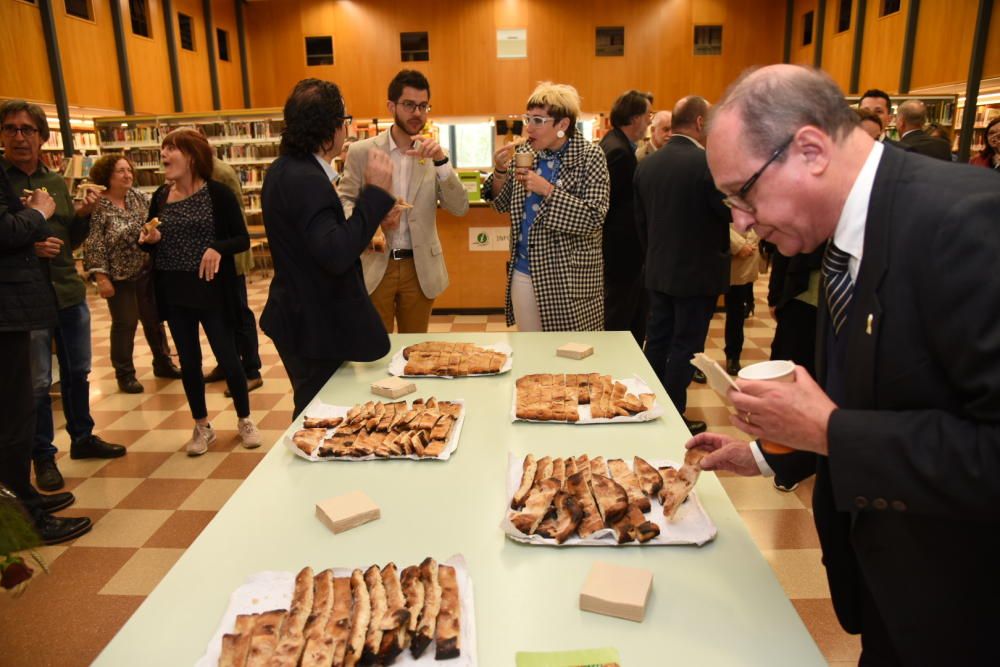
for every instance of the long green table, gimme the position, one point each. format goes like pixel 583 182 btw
pixel 719 604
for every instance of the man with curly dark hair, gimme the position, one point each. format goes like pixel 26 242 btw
pixel 318 312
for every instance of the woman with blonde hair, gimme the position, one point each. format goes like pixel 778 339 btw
pixel 557 206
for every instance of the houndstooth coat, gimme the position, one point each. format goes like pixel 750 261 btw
pixel 564 244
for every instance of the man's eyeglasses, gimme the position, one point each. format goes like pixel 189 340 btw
pixel 347 120
pixel 423 107
pixel 26 131
pixel 537 121
pixel 738 200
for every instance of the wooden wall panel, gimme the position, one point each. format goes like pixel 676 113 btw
pixel 22 42
pixel 991 63
pixel 196 86
pixel 230 78
pixel 944 42
pixel 89 58
pixel 838 47
pixel 148 63
pixel 882 55
pixel 466 76
pixel 803 55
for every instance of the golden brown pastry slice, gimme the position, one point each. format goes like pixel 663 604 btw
pixel 264 638
pixel 544 470
pixel 448 633
pixel 434 448
pixel 292 639
pixel 649 478
pixel 583 467
pixel 674 492
pixel 413 590
pixel 569 514
pixel 361 614
pixel 590 521
pixel 376 593
pixel 599 467
pixel 633 525
pixel 308 440
pixel 236 646
pixel 621 473
pixel 338 629
pixel 693 457
pixel 571 468
pixel 317 650
pixel 321 422
pixel 559 470
pixel 432 605
pixel 648 400
pixel 442 428
pixel 396 619
pixel 529 467
pixel 536 507
pixel 612 501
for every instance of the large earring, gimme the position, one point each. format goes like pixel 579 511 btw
pixel 560 134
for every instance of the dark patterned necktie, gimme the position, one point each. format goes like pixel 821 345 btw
pixel 839 287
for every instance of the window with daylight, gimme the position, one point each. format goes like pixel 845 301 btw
pixel 414 46
pixel 708 40
pixel 187 31
pixel 139 14
pixel 611 41
pixel 319 51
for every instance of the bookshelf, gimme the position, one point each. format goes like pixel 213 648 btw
pixel 987 109
pixel 941 110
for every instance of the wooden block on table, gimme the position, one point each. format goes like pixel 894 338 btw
pixel 615 590
pixel 575 350
pixel 348 511
pixel 393 387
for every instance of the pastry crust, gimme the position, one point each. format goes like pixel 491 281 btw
pixel 361 615
pixel 266 629
pixel 316 649
pixel 621 473
pixel 292 639
pixel 612 501
pixel 432 605
pixel 236 646
pixel 448 637
pixel 396 619
pixel 590 521
pixel 376 593
pixel 527 480
pixel 451 359
pixel 413 590
pixel 536 507
pixel 649 478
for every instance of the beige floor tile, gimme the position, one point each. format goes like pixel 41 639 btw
pixel 48 554
pixel 837 646
pixel 161 440
pixel 141 419
pixel 704 398
pixel 758 493
pixel 499 326
pixel 119 402
pixel 124 528
pixel 142 572
pixel 287 402
pixel 104 492
pixel 182 466
pixel 471 319
pixel 211 495
pixel 800 572
pixel 79 467
pixel 435 327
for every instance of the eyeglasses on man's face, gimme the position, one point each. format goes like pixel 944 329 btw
pixel 410 106
pixel 27 131
pixel 347 120
pixel 738 200
pixel 537 121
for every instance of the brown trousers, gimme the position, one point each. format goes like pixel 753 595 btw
pixel 399 297
pixel 134 301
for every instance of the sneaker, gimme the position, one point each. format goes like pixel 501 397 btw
pixel 249 434
pixel 201 438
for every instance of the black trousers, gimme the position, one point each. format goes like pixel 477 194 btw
pixel 736 299
pixel 306 375
pixel 246 335
pixel 17 417
pixel 795 334
pixel 677 329
pixel 626 305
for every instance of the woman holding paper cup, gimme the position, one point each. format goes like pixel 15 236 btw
pixel 111 254
pixel 556 189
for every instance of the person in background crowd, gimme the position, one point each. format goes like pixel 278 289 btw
pixel 340 162
pixel 27 303
pixel 910 120
pixel 247 344
pixel 684 231
pixel 870 122
pixel 739 299
pixel 201 229
pixel 660 130
pixel 112 256
pixel 555 280
pixel 990 155
pixel 878 102
pixel 404 280
pixel 625 302
pixel 903 429
pixel 318 312
pixel 24 130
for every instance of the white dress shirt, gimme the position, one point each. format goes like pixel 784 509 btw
pixel 402 170
pixel 331 172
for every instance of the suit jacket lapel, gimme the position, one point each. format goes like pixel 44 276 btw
pixel 418 173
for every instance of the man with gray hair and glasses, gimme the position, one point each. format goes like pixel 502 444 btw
pixel 902 429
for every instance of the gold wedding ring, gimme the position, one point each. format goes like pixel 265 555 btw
pixel 746 417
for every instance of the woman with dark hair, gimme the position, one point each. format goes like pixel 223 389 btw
pixel 990 155
pixel 112 256
pixel 200 230
pixel 318 312
pixel 557 201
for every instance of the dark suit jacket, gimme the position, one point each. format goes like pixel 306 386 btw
pixel 623 257
pixel 318 305
pixel 909 498
pixel 919 141
pixel 683 224
pixel 27 301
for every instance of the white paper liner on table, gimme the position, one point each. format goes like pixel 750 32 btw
pixel 690 525
pixel 397 366
pixel 269 590
pixel 322 410
pixel 634 385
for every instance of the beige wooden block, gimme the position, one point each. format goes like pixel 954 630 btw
pixel 348 511
pixel 393 387
pixel 575 350
pixel 615 590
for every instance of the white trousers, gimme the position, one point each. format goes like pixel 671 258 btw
pixel 522 296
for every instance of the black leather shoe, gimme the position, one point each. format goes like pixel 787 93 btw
pixel 167 370
pixel 733 366
pixel 95 448
pixel 47 475
pixel 130 386
pixel 57 529
pixel 56 502
pixel 216 375
pixel 694 425
pixel 785 489
pixel 699 377
pixel 252 383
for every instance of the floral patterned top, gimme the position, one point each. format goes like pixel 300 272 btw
pixel 112 247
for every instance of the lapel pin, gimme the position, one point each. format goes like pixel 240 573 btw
pixel 868 329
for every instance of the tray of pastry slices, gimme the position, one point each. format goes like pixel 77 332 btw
pixel 426 429
pixel 584 501
pixel 451 360
pixel 418 615
pixel 583 398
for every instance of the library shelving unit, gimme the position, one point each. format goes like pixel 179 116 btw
pixel 942 110
pixel 987 109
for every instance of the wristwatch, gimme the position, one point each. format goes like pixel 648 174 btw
pixel 442 162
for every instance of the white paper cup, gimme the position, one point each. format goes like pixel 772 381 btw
pixel 774 371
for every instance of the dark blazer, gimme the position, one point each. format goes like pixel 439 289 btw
pixel 318 305
pixel 231 238
pixel 920 142
pixel 909 497
pixel 623 256
pixel 683 224
pixel 27 301
pixel 790 275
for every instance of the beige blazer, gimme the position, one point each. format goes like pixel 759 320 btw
pixel 744 269
pixel 424 193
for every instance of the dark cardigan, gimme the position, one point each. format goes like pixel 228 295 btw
pixel 231 238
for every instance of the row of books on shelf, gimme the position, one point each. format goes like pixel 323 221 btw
pixel 253 130
pixel 250 129
pixel 251 201
pixel 81 140
pixel 229 152
pixel 250 176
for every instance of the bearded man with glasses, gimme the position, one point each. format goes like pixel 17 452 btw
pixel 405 278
